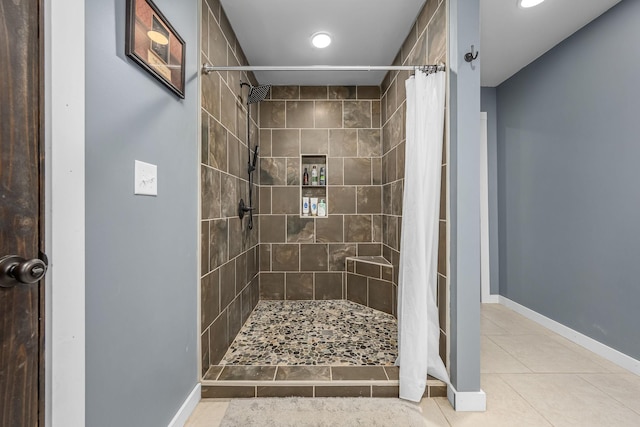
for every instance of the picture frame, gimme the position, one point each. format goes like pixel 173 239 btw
pixel 153 43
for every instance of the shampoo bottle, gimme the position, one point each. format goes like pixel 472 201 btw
pixel 322 208
pixel 314 175
pixel 322 177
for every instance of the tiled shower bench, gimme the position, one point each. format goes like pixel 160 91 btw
pixel 370 283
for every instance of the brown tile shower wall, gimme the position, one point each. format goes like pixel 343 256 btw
pixel 425 44
pixel 304 257
pixel 229 250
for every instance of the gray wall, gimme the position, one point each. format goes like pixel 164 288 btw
pixel 141 252
pixel 488 104
pixel 569 174
pixel 464 196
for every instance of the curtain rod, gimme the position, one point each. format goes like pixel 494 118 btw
pixel 208 68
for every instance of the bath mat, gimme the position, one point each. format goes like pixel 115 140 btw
pixel 322 412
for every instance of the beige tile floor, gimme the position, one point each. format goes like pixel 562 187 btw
pixel 532 377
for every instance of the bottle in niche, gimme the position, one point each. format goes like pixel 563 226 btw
pixel 322 177
pixel 314 206
pixel 322 208
pixel 314 175
pixel 305 206
pixel 305 177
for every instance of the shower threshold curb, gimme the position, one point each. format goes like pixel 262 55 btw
pixel 342 382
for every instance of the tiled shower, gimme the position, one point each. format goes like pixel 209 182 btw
pixel 304 257
pixel 350 254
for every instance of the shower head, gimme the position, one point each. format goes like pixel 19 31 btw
pixel 256 93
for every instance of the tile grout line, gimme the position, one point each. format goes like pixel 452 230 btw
pixel 606 393
pixel 524 399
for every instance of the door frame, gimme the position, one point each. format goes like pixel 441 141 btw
pixel 485 248
pixel 485 266
pixel 64 93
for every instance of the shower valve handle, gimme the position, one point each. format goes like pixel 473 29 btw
pixel 242 209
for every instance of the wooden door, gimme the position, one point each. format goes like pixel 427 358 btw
pixel 21 208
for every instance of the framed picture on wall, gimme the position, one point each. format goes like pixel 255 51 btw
pixel 155 45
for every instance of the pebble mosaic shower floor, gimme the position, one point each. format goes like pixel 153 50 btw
pixel 335 332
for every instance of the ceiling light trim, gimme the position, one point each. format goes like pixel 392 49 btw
pixel 321 39
pixel 526 4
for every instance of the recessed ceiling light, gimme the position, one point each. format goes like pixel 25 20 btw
pixel 529 3
pixel 321 40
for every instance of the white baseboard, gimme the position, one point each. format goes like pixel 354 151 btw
pixel 467 401
pixel 611 354
pixel 491 299
pixel 187 408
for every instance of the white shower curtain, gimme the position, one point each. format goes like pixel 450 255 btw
pixel 418 324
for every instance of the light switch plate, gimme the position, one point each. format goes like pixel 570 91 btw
pixel 145 179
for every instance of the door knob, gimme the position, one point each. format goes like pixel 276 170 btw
pixel 15 270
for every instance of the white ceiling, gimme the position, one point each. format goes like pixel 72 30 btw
pixel 511 37
pixel 277 32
